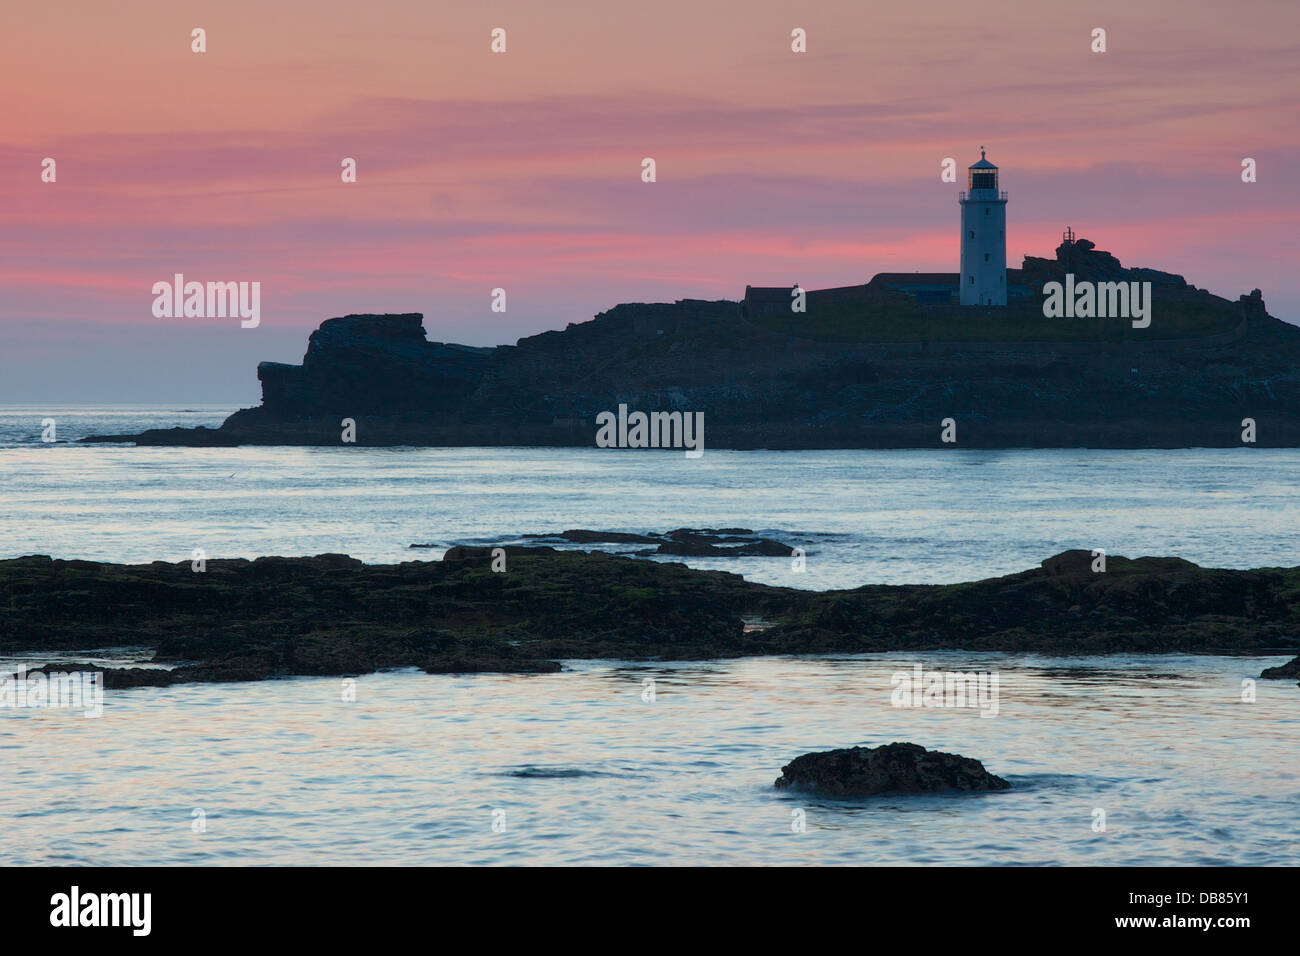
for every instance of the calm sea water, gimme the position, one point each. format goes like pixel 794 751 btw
pixel 582 768
pixel 586 771
pixel 861 516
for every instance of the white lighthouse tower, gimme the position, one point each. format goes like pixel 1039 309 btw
pixel 983 237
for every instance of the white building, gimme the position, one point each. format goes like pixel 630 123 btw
pixel 983 275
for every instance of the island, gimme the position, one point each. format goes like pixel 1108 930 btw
pixel 879 365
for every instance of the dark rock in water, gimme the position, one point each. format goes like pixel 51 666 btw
pixel 893 768
pixel 699 547
pixel 200 436
pixel 583 536
pixel 765 548
pixel 1291 669
pixel 693 548
pixel 680 542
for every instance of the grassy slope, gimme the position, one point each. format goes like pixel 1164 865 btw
pixel 859 315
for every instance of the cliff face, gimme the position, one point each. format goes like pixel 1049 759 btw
pixel 369 365
pixel 862 367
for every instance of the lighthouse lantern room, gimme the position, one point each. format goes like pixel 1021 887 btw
pixel 983 237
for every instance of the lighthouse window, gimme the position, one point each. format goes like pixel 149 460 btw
pixel 986 257
pixel 972 279
pixel 972 233
pixel 986 210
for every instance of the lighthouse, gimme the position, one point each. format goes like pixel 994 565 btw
pixel 983 237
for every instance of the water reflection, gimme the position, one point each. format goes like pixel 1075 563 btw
pixel 587 771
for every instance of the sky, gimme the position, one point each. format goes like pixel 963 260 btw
pixel 522 170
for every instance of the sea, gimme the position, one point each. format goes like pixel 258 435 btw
pixel 1116 760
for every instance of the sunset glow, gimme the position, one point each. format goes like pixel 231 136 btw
pixel 522 170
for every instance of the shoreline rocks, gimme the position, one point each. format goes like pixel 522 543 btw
pixel 333 615
pixel 891 768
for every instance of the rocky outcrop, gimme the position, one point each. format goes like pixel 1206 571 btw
pixel 892 768
pixel 1086 262
pixel 1288 671
pixel 1154 605
pixel 331 614
pixel 864 366
pixel 377 367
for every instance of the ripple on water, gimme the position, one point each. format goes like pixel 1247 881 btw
pixel 578 769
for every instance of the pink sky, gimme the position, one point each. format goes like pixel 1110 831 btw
pixel 522 170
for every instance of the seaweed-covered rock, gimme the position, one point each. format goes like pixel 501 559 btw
pixel 893 768
pixel 333 615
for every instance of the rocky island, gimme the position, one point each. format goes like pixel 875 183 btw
pixel 879 365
